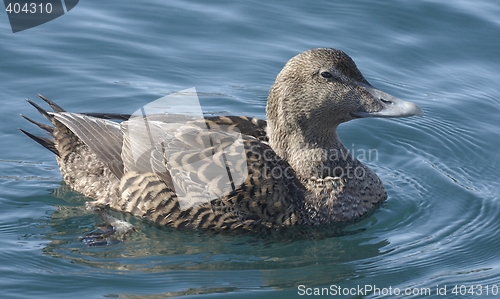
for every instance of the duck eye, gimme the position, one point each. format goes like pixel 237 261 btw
pixel 326 75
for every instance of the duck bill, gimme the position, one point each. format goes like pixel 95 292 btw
pixel 391 106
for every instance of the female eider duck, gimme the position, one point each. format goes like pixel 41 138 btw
pixel 296 170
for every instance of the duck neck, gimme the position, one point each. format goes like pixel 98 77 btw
pixel 312 153
pixel 338 187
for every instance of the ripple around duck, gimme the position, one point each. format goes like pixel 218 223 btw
pixel 439 246
pixel 440 175
pixel 187 250
pixel 53 247
pixel 430 241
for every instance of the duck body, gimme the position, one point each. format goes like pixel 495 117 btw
pixel 295 169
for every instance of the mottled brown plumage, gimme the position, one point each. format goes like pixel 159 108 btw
pixel 299 173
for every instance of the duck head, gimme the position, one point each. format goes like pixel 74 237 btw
pixel 315 92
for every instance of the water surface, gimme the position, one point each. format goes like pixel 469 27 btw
pixel 439 226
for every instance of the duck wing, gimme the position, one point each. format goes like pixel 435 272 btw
pixel 199 163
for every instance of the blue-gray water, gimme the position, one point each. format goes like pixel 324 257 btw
pixel 439 227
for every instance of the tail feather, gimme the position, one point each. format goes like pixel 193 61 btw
pixel 40 110
pixel 45 142
pixel 54 106
pixel 40 125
